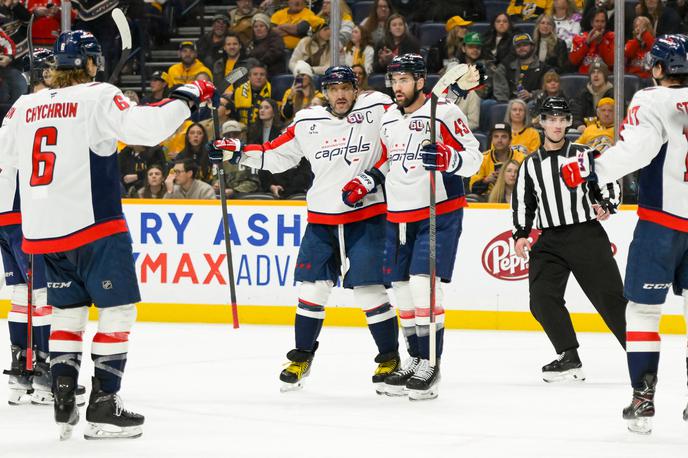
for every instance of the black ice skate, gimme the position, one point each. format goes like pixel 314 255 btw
pixel 66 412
pixel 387 364
pixel 107 419
pixel 566 367
pixel 42 387
pixel 424 384
pixel 298 369
pixel 20 380
pixel 642 408
pixel 395 383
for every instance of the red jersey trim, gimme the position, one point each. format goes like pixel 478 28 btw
pixel 411 216
pixel 663 219
pixel 349 217
pixel 76 239
pixel 10 218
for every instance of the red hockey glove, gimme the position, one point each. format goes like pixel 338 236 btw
pixel 195 92
pixel 577 170
pixel 355 190
pixel 225 150
pixel 440 157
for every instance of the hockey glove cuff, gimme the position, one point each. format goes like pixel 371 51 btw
pixel 441 157
pixel 225 150
pixel 577 170
pixel 194 93
pixel 364 183
pixel 472 80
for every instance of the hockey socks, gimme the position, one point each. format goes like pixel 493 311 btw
pixel 308 323
pixel 109 354
pixel 420 289
pixel 407 315
pixel 642 341
pixel 17 319
pixel 383 325
pixel 65 354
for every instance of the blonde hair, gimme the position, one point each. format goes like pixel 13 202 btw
pixel 65 78
pixel 498 193
pixel 551 40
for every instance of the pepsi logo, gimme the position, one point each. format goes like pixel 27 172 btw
pixel 499 257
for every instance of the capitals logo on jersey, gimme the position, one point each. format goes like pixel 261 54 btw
pixel 404 153
pixel 343 146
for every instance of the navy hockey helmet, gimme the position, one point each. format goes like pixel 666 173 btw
pixel 43 59
pixel 73 48
pixel 672 52
pixel 338 75
pixel 407 63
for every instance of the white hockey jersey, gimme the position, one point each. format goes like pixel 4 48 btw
pixel 64 144
pixel 338 149
pixel 407 183
pixel 654 138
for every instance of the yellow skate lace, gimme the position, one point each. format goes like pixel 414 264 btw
pixel 298 369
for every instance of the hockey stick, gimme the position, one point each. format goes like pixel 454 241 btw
pixel 450 77
pixel 29 31
pixel 125 35
pixel 232 78
pixel 29 318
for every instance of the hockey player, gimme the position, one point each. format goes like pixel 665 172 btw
pixel 653 140
pixel 408 156
pixel 572 242
pixel 63 141
pixel 340 141
pixel 16 267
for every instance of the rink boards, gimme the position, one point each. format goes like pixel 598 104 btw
pixel 180 261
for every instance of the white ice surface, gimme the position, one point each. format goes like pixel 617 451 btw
pixel 208 390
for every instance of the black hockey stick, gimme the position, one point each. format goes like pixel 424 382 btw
pixel 29 273
pixel 125 35
pixel 232 78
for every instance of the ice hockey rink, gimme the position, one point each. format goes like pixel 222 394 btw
pixel 209 390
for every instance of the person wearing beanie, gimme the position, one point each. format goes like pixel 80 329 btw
pixel 598 43
pixel 267 46
pixel 302 91
pixel 584 104
pixel 600 134
pixel 210 45
pixel 241 20
pixel 522 76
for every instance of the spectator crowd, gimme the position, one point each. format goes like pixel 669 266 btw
pixel 530 49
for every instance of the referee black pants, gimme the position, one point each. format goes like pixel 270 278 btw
pixel 584 250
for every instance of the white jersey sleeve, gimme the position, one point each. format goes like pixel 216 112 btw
pixel 278 155
pixel 460 137
pixel 640 139
pixel 116 117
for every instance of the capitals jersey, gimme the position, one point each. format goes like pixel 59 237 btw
pixel 407 183
pixel 64 144
pixel 338 149
pixel 654 139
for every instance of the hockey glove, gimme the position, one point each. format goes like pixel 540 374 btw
pixel 194 93
pixel 472 80
pixel 440 157
pixel 577 170
pixel 224 150
pixel 364 183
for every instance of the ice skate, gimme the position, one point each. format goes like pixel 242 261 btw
pixel 298 369
pixel 42 387
pixel 107 418
pixel 387 364
pixel 424 384
pixel 66 412
pixel 642 408
pixel 685 413
pixel 565 368
pixel 20 381
pixel 395 383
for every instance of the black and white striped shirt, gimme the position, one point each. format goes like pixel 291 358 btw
pixel 541 193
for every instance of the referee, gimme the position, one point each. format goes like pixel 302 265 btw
pixel 572 241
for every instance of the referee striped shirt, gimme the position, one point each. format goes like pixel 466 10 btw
pixel 541 195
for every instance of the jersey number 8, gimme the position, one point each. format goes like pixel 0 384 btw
pixel 43 162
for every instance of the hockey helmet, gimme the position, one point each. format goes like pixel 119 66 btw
pixel 73 48
pixel 555 106
pixel 672 52
pixel 338 75
pixel 407 63
pixel 43 59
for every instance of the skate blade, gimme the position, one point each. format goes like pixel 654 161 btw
pixel 98 431
pixel 379 388
pixel 288 387
pixel 685 414
pixel 642 425
pixel 426 395
pixel 65 431
pixel 394 391
pixel 572 375
pixel 42 398
pixel 17 397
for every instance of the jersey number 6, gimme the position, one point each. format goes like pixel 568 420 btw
pixel 43 162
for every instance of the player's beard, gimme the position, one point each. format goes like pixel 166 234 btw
pixel 408 101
